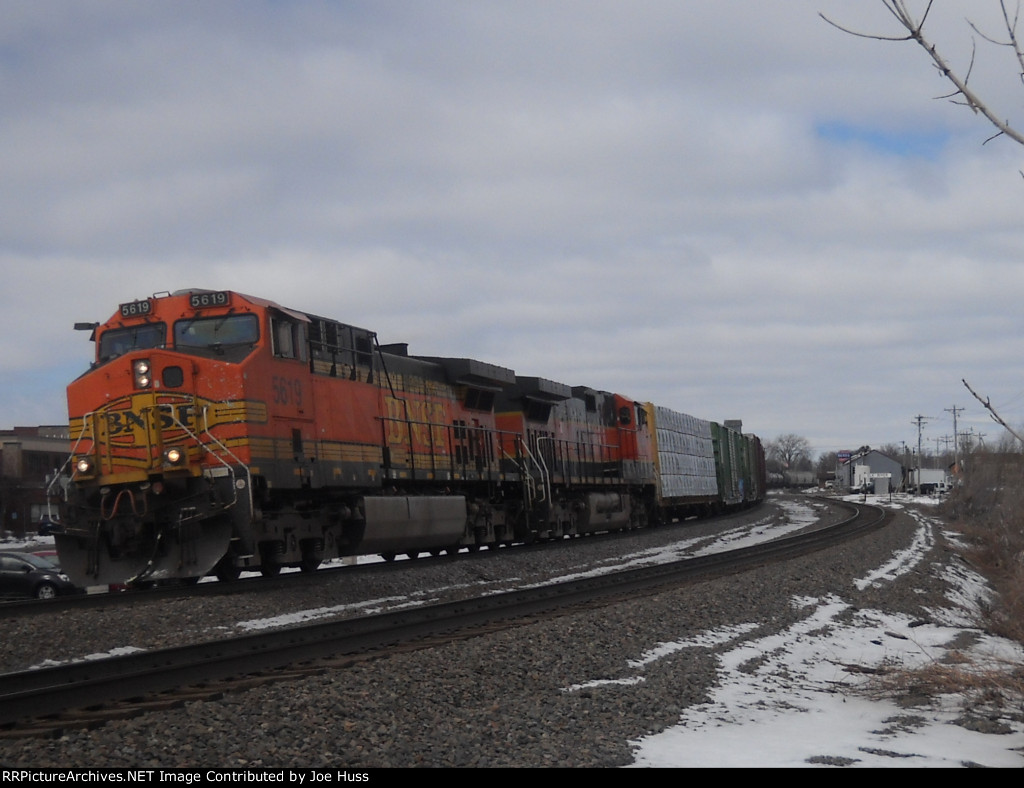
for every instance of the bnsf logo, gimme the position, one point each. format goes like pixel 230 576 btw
pixel 424 420
pixel 127 424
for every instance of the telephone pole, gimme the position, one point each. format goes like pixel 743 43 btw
pixel 956 437
pixel 919 421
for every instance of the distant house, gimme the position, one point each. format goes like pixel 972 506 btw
pixel 863 470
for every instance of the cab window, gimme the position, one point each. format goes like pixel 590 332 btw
pixel 229 336
pixel 117 341
pixel 288 338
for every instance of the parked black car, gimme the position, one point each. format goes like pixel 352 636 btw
pixel 48 527
pixel 25 574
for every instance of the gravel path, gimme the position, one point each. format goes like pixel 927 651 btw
pixel 498 700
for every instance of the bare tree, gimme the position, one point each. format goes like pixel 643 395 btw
pixel 827 464
pixel 790 451
pixel 963 93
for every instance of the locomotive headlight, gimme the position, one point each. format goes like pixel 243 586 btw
pixel 85 466
pixel 142 378
pixel 174 456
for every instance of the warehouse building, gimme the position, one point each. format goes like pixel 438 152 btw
pixel 29 458
pixel 867 470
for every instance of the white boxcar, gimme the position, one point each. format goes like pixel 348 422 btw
pixel 686 457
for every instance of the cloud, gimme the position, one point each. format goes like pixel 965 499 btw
pixel 736 210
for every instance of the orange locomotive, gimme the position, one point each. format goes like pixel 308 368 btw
pixel 217 432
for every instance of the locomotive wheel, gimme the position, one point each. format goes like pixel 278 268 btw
pixel 389 557
pixel 270 566
pixel 309 563
pixel 413 555
pixel 226 571
pixel 270 569
pixel 312 554
pixel 227 574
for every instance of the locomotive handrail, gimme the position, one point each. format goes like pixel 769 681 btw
pixel 206 430
pixel 524 473
pixel 394 396
pixel 86 419
pixel 232 455
pixel 529 455
pixel 545 473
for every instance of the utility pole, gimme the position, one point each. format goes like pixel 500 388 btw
pixel 956 437
pixel 919 421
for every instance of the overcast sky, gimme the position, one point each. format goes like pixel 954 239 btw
pixel 728 208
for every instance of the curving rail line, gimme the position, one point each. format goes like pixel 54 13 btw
pixel 28 697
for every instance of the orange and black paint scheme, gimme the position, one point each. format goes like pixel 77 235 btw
pixel 217 432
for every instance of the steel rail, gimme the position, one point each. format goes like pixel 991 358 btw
pixel 22 606
pixel 47 691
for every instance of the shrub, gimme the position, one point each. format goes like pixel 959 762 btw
pixel 988 509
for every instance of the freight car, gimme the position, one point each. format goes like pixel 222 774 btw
pixel 217 432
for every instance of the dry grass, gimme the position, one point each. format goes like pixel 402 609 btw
pixel 998 685
pixel 988 510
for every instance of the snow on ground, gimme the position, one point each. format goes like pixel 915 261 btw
pixel 797 698
pixel 789 700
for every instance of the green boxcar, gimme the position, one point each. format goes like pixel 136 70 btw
pixel 726 468
pixel 756 470
pixel 735 465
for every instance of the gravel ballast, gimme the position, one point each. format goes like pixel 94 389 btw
pixel 519 697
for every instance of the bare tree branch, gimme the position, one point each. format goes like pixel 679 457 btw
pixel 1011 28
pixel 968 98
pixel 992 412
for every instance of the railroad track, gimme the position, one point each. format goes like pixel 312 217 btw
pixel 49 700
pixel 22 606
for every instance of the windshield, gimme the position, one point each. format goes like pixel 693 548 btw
pixel 118 341
pixel 228 335
pixel 39 562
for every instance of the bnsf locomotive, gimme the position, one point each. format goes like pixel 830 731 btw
pixel 217 432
